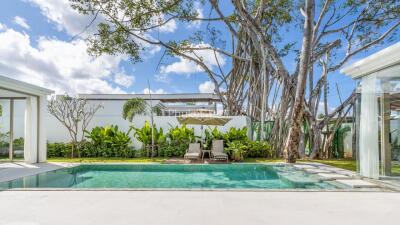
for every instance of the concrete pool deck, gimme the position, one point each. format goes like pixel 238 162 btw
pixel 48 207
pixel 14 170
pixel 198 207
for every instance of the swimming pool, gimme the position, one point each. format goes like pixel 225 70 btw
pixel 174 176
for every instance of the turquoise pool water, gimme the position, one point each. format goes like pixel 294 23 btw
pixel 153 176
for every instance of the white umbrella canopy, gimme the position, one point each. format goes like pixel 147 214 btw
pixel 203 119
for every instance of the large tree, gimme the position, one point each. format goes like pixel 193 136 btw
pixel 281 51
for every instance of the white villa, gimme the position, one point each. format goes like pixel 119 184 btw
pixel 377 111
pixel 24 112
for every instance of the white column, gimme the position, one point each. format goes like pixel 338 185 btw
pixel 42 129
pixel 368 141
pixel 30 145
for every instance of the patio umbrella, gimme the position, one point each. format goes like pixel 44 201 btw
pixel 203 119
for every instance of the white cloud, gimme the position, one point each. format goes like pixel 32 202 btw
pixel 169 27
pixel 2 27
pixel 207 87
pixel 21 22
pixel 162 77
pixel 62 66
pixel 124 79
pixel 63 15
pixel 186 66
pixel 321 109
pixel 158 91
pixel 196 23
pixel 73 23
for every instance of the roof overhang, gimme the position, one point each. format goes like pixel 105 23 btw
pixel 23 88
pixel 383 59
pixel 185 97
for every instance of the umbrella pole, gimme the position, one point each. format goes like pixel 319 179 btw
pixel 201 136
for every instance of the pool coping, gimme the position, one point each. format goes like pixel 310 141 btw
pixel 382 187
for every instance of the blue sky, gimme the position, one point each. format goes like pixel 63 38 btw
pixel 37 47
pixel 50 21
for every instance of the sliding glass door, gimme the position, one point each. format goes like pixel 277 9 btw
pixel 12 129
pixel 5 129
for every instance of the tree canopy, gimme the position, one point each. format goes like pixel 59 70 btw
pixel 280 52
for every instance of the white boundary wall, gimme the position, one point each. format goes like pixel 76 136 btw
pixel 111 114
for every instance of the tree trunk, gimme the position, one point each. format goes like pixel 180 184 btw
pixel 292 141
pixel 302 145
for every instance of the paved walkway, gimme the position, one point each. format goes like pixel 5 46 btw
pixel 14 170
pixel 195 208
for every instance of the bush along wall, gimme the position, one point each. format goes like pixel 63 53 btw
pixel 109 141
pixel 106 141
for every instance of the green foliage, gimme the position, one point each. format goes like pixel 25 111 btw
pixel 237 150
pixel 133 107
pixel 144 134
pixel 337 146
pixel 115 37
pixel 235 134
pixel 107 141
pixel 212 134
pixel 157 110
pixel 253 149
pixel 18 142
pixel 181 135
pixel 257 149
pixel 178 141
pixel 4 139
pixel 256 128
pixel 59 150
pixel 168 150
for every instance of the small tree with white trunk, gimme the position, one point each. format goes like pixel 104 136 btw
pixel 74 114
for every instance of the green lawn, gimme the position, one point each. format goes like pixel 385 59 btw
pixel 344 164
pixel 340 163
pixel 107 160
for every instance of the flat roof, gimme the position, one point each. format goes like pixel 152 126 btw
pixel 383 59
pixel 188 107
pixel 181 97
pixel 23 88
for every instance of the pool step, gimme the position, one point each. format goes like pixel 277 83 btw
pixel 301 166
pixel 358 183
pixel 333 176
pixel 315 171
pixel 299 180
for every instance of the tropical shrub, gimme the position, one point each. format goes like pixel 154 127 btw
pixel 212 134
pixel 181 135
pixel 168 150
pixel 236 150
pixel 144 134
pixel 107 141
pixel 59 150
pixel 259 149
pixel 337 146
pixel 178 141
pixel 235 134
